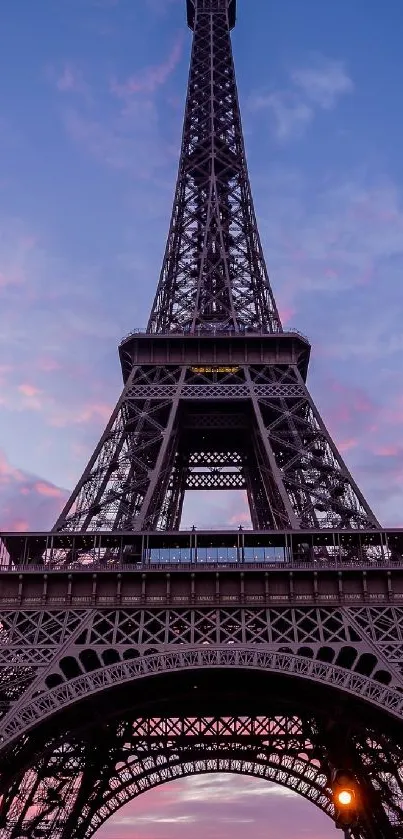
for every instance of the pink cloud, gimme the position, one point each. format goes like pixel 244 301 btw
pixel 17 525
pixel 394 413
pixel 152 77
pixel 388 450
pixel 287 314
pixel 14 257
pixel 347 403
pixel 88 414
pixel 218 806
pixel 218 508
pixel 47 364
pixel 27 502
pixel 29 242
pixel 358 399
pixel 9 279
pixel 331 273
pixel 29 390
pixel 71 80
pixel 7 471
pixel 366 276
pixel 48 489
pixel 97 411
pixel 346 445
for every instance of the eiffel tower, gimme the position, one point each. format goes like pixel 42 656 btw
pixel 125 641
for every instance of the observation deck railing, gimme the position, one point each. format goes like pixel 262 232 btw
pixel 215 331
pixel 201 549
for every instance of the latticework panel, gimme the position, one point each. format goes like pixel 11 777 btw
pixel 127 466
pixel 317 482
pixel 149 454
pixel 50 660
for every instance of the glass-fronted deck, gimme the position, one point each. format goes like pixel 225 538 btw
pixel 82 551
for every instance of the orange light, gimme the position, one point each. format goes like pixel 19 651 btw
pixel 345 797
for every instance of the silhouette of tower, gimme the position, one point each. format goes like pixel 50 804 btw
pixel 125 641
pixel 214 394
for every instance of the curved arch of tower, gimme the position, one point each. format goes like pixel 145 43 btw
pixel 186 714
pixel 124 639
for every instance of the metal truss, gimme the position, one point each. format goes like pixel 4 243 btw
pixel 214 270
pixel 149 454
pixel 147 752
pixel 74 782
pixel 270 439
pixel 50 660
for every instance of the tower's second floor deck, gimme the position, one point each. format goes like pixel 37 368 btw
pixel 214 346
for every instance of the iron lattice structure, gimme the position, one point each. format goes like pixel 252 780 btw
pixel 124 642
pixel 215 394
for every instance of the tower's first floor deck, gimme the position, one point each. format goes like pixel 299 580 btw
pixel 204 568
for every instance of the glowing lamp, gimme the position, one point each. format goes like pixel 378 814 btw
pixel 345 797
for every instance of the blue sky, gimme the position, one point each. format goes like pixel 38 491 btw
pixel 91 109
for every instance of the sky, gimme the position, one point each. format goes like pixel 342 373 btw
pixel 91 107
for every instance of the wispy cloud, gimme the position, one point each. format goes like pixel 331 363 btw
pixel 70 80
pixel 214 806
pixel 127 139
pixel 328 238
pixel 16 246
pixel 290 115
pixel 206 509
pixel 309 89
pixel 96 413
pixel 226 789
pixel 27 502
pixel 29 390
pixel 323 84
pixel 151 78
pixel 118 122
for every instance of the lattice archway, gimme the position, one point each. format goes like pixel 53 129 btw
pixel 128 757
pixel 33 711
pixel 296 774
pixel 74 786
pixel 107 751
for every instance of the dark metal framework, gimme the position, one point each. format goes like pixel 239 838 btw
pixel 102 699
pixel 115 626
pixel 215 394
pixel 71 787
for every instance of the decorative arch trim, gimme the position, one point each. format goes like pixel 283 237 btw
pixel 242 657
pixel 297 777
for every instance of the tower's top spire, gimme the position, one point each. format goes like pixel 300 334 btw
pixel 214 274
pixel 197 6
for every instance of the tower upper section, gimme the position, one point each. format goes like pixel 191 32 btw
pixel 201 6
pixel 214 274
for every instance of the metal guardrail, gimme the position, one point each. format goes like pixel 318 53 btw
pixel 199 549
pixel 215 332
pixel 119 568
